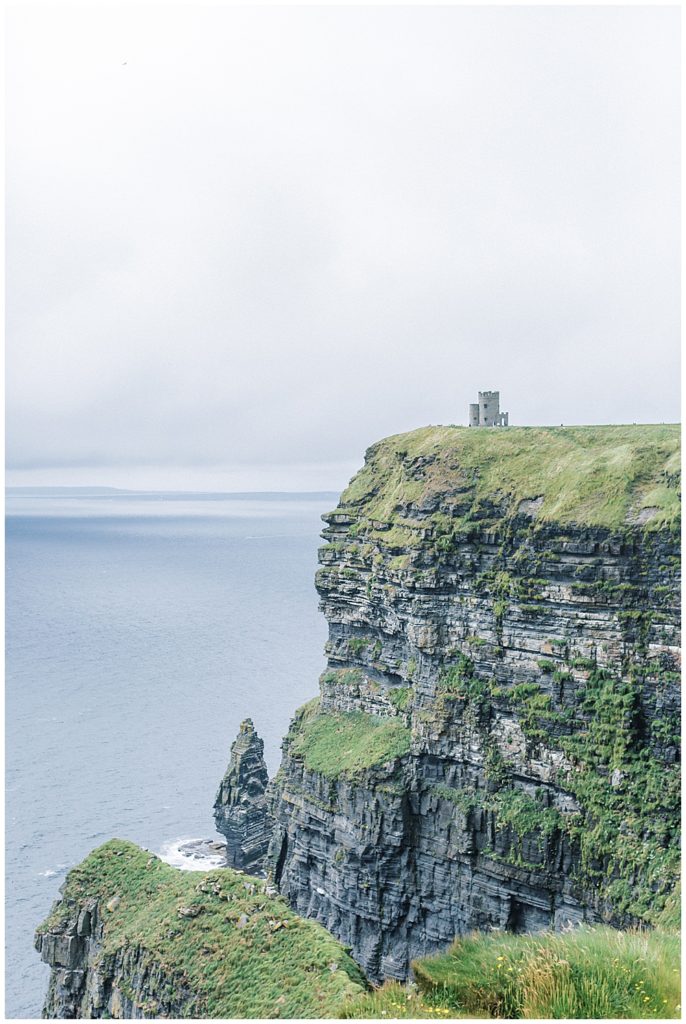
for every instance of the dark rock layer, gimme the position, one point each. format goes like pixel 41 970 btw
pixel 536 665
pixel 240 807
pixel 129 983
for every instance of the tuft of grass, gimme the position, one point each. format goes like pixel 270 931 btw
pixel 670 916
pixel 394 1002
pixel 343 676
pixel 272 964
pixel 346 744
pixel 585 973
pixel 606 476
pixel 401 697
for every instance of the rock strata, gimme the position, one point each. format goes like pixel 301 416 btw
pixel 520 629
pixel 495 744
pixel 133 938
pixel 240 807
pixel 86 982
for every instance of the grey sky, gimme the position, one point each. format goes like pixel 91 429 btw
pixel 244 243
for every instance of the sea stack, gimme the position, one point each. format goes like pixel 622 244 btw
pixel 240 807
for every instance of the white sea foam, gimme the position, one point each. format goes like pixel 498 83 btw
pixel 192 854
pixel 53 872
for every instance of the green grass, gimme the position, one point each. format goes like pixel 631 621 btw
pixel 628 835
pixel 278 964
pixel 346 744
pixel 394 1002
pixel 401 697
pixel 627 831
pixel 343 676
pixel 585 973
pixel 358 644
pixel 595 476
pixel 465 799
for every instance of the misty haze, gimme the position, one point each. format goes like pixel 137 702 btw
pixel 243 244
pixel 343 512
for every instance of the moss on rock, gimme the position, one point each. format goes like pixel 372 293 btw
pixel 219 934
pixel 346 744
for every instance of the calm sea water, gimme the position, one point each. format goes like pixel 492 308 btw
pixel 141 630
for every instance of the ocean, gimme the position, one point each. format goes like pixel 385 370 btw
pixel 141 630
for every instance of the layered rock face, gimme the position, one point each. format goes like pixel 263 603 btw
pixel 496 740
pixel 132 938
pixel 240 807
pixel 495 744
pixel 128 983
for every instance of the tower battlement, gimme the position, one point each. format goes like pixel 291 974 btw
pixel 486 412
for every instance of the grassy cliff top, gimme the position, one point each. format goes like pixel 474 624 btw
pixel 246 954
pixel 585 973
pixel 606 476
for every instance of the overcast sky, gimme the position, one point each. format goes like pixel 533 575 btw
pixel 245 243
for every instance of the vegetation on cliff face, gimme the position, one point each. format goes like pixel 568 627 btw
pixel 590 476
pixel 503 651
pixel 630 835
pixel 243 951
pixel 628 831
pixel 346 744
pixel 575 528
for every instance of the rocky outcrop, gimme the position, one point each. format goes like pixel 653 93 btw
pixel 510 605
pixel 128 983
pixel 134 938
pixel 240 807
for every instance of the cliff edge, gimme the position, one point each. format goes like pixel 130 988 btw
pixel 132 937
pixel 496 742
pixel 495 748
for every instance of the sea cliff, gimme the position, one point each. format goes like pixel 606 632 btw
pixel 495 744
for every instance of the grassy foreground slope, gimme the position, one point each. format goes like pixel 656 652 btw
pixel 246 954
pixel 595 973
pixel 591 476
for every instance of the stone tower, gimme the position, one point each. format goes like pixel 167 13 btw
pixel 486 412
